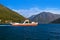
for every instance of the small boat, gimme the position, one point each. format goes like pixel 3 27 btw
pixel 26 23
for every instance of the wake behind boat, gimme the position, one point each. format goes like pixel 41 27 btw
pixel 26 23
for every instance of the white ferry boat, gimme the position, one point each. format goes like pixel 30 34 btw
pixel 26 23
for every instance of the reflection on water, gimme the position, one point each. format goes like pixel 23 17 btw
pixel 40 32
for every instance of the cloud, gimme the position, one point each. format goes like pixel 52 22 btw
pixel 33 11
pixel 28 12
pixel 52 10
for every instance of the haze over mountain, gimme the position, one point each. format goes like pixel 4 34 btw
pixel 44 17
pixel 7 14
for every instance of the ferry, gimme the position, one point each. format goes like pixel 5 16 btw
pixel 25 23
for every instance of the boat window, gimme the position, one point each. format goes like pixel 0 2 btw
pixel 26 22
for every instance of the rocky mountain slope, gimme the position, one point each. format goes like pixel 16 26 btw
pixel 44 17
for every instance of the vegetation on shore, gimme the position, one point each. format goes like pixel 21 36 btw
pixel 7 15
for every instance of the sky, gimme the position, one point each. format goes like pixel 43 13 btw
pixel 28 8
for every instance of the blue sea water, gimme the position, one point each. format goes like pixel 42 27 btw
pixel 40 32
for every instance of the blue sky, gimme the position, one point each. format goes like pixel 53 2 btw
pixel 31 7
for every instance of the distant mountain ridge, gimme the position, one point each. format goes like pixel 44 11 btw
pixel 57 21
pixel 44 17
pixel 7 14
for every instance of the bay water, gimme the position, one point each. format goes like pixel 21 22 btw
pixel 40 32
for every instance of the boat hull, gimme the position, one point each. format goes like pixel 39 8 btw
pixel 24 24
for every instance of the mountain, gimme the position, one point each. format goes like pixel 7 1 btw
pixel 8 15
pixel 57 21
pixel 44 17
